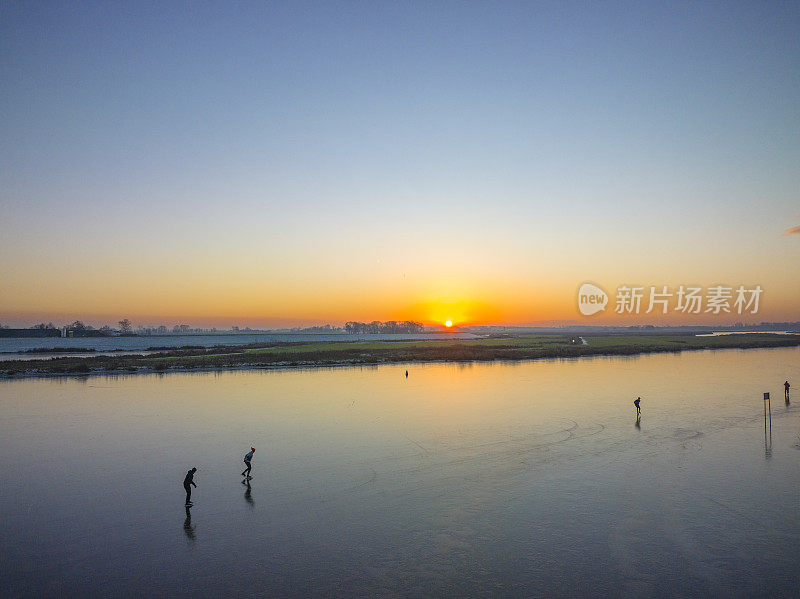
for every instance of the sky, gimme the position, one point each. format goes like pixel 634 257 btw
pixel 290 164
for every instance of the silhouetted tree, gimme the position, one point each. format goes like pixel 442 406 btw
pixel 125 326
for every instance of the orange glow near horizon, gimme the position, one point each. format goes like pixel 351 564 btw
pixel 203 306
pixel 234 296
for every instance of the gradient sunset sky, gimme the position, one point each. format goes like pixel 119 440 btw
pixel 281 164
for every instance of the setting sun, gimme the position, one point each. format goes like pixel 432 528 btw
pixel 448 323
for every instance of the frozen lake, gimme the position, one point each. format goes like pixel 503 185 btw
pixel 488 479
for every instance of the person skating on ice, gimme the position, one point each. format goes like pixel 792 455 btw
pixel 188 483
pixel 247 458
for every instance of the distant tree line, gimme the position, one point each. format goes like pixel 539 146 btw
pixel 75 329
pixel 376 327
pixel 79 329
pixel 75 326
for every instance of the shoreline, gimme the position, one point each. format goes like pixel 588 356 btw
pixel 289 356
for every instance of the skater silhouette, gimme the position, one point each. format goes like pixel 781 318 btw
pixel 188 483
pixel 636 403
pixel 248 456
pixel 406 373
pixel 786 386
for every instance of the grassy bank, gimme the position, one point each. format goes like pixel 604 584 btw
pixel 329 353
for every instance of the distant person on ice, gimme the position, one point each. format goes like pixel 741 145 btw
pixel 786 386
pixel 188 483
pixel 248 456
pixel 636 403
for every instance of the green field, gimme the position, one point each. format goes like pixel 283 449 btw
pixel 331 353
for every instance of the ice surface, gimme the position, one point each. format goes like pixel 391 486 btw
pixel 490 479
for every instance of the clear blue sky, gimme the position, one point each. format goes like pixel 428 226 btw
pixel 140 137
